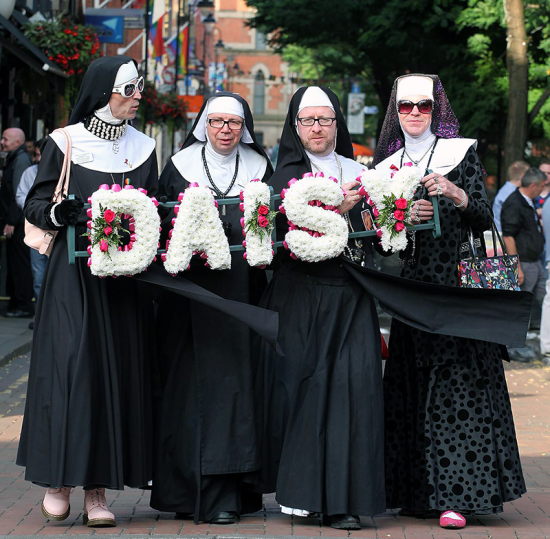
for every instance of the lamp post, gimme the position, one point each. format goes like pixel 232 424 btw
pixel 218 49
pixel 208 22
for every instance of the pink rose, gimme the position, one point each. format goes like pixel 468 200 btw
pixel 108 230
pixel 103 246
pixel 379 233
pixel 375 212
pixel 109 216
pixel 401 204
pixel 263 210
pixel 399 226
pixel 399 215
pixel 262 221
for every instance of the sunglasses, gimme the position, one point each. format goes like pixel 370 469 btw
pixel 425 106
pixel 129 89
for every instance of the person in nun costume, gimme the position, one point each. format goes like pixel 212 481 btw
pixel 88 412
pixel 450 443
pixel 322 446
pixel 206 442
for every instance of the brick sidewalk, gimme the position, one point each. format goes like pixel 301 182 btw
pixel 528 517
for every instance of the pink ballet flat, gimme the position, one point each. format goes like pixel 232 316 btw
pixel 56 504
pixel 452 519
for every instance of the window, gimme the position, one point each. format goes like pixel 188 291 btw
pixel 259 93
pixel 261 41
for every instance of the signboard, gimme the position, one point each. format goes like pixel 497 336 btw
pixel 356 115
pixel 371 110
pixel 109 29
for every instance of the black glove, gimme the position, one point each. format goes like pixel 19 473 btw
pixel 66 212
pixel 163 210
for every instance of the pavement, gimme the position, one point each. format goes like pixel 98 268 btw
pixel 20 501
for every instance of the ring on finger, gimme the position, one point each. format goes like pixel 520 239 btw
pixel 435 179
pixel 439 190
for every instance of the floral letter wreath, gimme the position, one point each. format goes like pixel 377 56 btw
pixel 257 223
pixel 390 199
pixel 108 258
pixel 315 234
pixel 197 230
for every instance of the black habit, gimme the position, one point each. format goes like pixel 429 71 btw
pixel 88 413
pixel 205 442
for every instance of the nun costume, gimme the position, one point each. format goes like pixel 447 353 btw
pixel 450 442
pixel 206 447
pixel 322 422
pixel 88 413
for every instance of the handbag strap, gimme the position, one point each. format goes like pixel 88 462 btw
pixel 62 186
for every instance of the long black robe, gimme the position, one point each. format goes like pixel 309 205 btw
pixel 206 440
pixel 88 413
pixel 449 430
pixel 322 424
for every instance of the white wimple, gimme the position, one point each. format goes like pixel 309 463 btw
pixel 258 250
pixel 147 222
pixel 333 225
pixel 403 184
pixel 197 228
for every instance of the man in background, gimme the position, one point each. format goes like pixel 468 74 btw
pixel 515 171
pixel 19 276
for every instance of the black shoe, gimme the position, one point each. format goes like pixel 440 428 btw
pixel 18 314
pixel 225 517
pixel 31 325
pixel 345 522
pixel 184 516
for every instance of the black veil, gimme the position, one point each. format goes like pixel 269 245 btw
pixel 97 86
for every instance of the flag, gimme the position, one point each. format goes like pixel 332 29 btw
pixel 182 51
pixel 157 38
pixel 159 9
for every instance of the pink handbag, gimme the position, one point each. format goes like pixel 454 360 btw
pixel 36 237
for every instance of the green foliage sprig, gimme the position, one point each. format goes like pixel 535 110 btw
pixel 262 221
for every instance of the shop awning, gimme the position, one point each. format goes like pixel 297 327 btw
pixel 30 54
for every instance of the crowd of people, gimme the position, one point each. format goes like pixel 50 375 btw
pixel 129 386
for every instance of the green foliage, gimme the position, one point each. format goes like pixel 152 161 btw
pixel 464 41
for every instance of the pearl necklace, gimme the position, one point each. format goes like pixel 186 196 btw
pixel 106 131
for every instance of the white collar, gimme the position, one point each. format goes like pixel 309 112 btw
pixel 189 164
pixel 94 153
pixel 419 145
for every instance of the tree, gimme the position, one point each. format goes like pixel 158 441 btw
pixel 464 41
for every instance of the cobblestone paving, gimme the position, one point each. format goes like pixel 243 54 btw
pixel 20 513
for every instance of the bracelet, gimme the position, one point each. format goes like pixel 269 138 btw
pixel 52 215
pixel 462 202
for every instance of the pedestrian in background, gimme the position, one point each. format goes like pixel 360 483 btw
pixel 515 172
pixel 19 275
pixel 522 234
pixel 38 261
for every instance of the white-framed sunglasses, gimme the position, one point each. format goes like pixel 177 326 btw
pixel 128 89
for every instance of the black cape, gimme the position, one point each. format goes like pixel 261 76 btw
pixel 206 437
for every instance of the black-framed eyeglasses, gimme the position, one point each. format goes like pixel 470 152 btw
pixel 310 122
pixel 218 123
pixel 425 106
pixel 128 89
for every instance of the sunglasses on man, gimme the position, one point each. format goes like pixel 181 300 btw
pixel 128 89
pixel 425 106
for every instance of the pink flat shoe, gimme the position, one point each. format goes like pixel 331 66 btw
pixel 56 504
pixel 452 519
pixel 96 512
